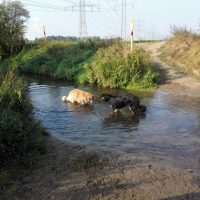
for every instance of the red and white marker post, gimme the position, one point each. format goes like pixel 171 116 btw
pixel 132 36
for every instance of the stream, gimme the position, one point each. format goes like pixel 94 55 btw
pixel 168 134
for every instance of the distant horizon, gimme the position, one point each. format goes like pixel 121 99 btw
pixel 78 38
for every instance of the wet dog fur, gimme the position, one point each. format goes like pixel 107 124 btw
pixel 118 102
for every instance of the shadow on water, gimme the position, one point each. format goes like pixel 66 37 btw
pixel 81 109
pixel 123 119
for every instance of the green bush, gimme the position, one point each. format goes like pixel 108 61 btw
pixel 116 67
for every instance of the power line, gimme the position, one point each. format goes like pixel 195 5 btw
pixel 110 25
pixel 82 7
pixel 42 5
pixel 118 16
pixel 106 26
pixel 112 8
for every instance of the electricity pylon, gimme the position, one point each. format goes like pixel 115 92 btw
pixel 82 21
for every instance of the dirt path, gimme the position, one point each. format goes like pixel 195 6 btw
pixel 73 172
pixel 172 81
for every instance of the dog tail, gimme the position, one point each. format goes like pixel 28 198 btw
pixel 142 108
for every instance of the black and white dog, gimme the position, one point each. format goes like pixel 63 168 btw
pixel 118 102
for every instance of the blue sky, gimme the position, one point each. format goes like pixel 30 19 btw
pixel 152 17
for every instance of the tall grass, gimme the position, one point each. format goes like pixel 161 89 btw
pixel 183 50
pixel 117 67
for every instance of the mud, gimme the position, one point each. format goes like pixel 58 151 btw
pixel 70 171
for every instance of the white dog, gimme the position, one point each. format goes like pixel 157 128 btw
pixel 79 96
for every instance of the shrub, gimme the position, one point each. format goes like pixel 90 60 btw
pixel 115 66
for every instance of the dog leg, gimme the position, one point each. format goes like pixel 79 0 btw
pixel 83 102
pixel 133 109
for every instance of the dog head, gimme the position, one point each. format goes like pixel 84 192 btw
pixel 142 108
pixel 64 99
pixel 106 97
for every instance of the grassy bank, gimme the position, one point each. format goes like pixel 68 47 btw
pixel 22 139
pixel 183 51
pixel 104 63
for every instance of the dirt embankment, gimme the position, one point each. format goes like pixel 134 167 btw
pixel 70 171
pixel 172 80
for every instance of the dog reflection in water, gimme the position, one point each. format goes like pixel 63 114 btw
pixel 127 120
pixel 119 102
pixel 80 109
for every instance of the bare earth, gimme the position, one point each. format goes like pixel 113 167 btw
pixel 74 172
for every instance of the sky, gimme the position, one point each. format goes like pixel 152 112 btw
pixel 152 18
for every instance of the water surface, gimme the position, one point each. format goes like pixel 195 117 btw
pixel 169 133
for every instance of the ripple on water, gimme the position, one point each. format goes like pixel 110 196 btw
pixel 170 130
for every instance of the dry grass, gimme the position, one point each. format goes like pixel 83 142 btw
pixel 183 50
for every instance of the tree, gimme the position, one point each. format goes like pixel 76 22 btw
pixel 12 27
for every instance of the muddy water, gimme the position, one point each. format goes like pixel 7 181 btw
pixel 168 134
